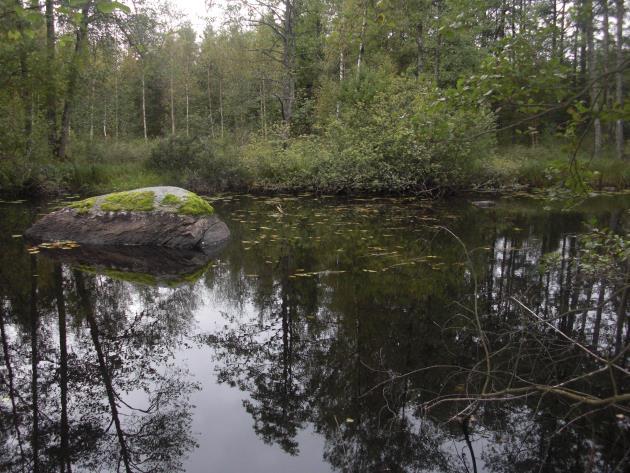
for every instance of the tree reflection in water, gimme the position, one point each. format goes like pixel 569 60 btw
pixel 101 391
pixel 385 356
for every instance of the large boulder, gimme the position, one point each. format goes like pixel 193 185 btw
pixel 153 216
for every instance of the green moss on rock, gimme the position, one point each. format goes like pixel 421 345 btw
pixel 145 201
pixel 83 206
pixel 171 199
pixel 190 204
pixel 195 205
pixel 129 201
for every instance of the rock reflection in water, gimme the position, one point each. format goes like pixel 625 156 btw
pixel 149 265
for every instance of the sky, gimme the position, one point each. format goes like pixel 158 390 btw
pixel 198 10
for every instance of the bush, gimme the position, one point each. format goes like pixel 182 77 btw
pixel 392 136
pixel 175 153
pixel 217 167
pixel 412 136
pixel 198 163
pixel 281 164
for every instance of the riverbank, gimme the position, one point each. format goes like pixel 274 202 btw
pixel 204 167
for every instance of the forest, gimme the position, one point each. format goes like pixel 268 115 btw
pixel 409 251
pixel 331 96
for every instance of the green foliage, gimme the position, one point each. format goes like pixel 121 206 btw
pixel 437 80
pixel 603 254
pixel 280 164
pixel 175 153
pixel 108 7
pixel 392 136
pixel 129 201
pixel 409 135
pixel 546 166
pixel 198 163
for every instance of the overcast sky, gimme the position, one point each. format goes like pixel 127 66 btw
pixel 197 11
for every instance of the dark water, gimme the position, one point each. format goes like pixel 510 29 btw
pixel 363 335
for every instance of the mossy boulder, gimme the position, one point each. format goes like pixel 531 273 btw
pixel 153 216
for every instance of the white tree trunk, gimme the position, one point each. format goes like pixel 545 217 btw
pixel 362 38
pixel 144 107
pixel 221 103
pixel 172 105
pixel 210 105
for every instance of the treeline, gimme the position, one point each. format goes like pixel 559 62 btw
pixel 304 92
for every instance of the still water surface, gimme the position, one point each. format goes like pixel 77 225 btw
pixel 328 335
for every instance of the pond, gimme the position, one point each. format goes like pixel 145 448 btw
pixel 351 335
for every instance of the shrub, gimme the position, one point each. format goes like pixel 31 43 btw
pixel 408 136
pixel 175 153
pixel 198 163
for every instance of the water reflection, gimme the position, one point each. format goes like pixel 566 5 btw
pixel 89 374
pixel 355 320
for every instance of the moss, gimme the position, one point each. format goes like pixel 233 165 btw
pixel 188 278
pixel 131 201
pixel 138 278
pixel 171 199
pixel 83 206
pixel 195 205
pixel 145 278
pixel 190 204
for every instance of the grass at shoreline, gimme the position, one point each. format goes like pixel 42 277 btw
pixel 113 167
pixel 543 166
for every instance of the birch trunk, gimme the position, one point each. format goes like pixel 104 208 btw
pixel 92 110
pixel 221 103
pixel 144 107
pixel 362 38
pixel 172 105
pixel 210 113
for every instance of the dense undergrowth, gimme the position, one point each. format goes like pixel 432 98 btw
pixel 305 163
pixel 301 164
pixel 390 136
